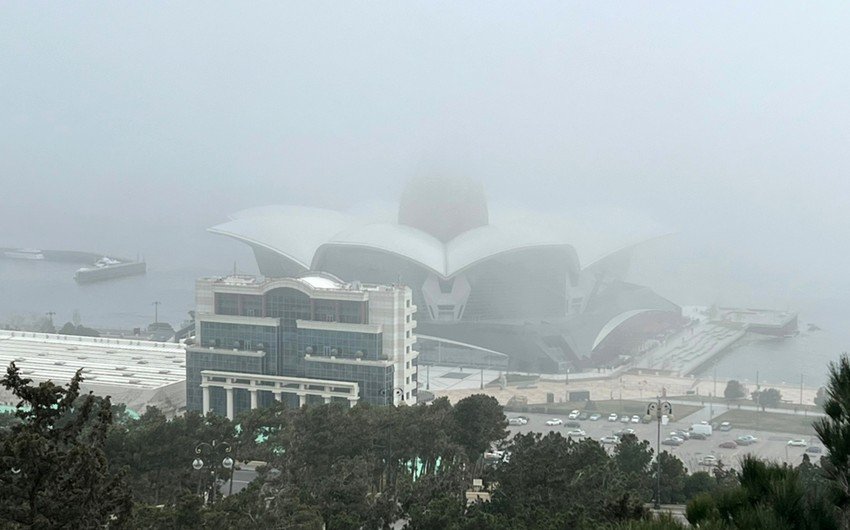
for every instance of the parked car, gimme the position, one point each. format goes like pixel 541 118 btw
pixel 609 440
pixel 554 422
pixel 797 443
pixel 612 417
pixel 728 445
pixel 625 418
pixel 709 460
pixel 815 449
pixel 622 432
pixel 697 436
pixel 577 433
pixel 635 419
pixel 595 416
pixel 725 426
pixel 573 415
pixel 518 421
pixel 746 440
pixel 674 441
pixel 572 424
pixel 681 434
pixel 582 416
pixel 494 456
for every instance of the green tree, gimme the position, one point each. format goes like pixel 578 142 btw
pixel 768 495
pixel 673 475
pixel 478 422
pixel 769 397
pixel 633 458
pixel 734 390
pixel 55 473
pixel 834 432
pixel 820 397
pixel 158 453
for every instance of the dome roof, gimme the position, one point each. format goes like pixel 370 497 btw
pixel 443 207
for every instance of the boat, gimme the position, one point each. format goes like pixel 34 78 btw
pixel 24 253
pixel 109 268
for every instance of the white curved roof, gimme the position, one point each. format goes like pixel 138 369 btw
pixel 616 322
pixel 301 234
pixel 296 232
pixel 403 240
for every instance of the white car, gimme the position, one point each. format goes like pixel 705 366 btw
pixel 613 417
pixel 595 416
pixel 573 415
pixel 625 418
pixel 635 419
pixel 517 421
pixel 494 455
pixel 577 433
pixel 708 460
pixel 554 422
pixel 797 443
pixel 609 440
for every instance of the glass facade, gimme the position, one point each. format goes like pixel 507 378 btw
pixel 344 344
pixel 376 382
pixel 198 360
pixel 288 305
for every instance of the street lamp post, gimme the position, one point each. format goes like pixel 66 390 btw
pixel 213 451
pixel 658 409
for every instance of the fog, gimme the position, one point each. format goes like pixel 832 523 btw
pixel 131 128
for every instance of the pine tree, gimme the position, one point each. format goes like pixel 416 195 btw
pixel 54 472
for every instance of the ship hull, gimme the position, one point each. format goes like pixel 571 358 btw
pixel 110 272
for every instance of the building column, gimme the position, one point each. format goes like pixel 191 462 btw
pixel 205 400
pixel 253 398
pixel 278 395
pixel 229 392
pixel 327 399
pixel 302 400
pixel 352 401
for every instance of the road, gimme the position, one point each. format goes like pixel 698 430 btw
pixel 241 479
pixel 770 446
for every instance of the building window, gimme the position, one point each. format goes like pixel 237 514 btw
pixel 408 319
pixel 407 303
pixel 407 334
pixel 407 349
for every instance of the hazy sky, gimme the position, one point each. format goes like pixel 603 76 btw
pixel 134 126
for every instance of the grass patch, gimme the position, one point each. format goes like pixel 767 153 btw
pixel 604 407
pixel 747 402
pixel 768 421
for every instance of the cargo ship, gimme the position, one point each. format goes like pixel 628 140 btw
pixel 108 268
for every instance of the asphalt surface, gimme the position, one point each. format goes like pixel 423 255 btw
pixel 771 446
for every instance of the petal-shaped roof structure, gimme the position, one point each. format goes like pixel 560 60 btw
pixel 294 232
pixel 302 234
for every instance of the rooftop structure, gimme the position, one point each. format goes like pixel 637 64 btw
pixel 512 295
pixel 137 373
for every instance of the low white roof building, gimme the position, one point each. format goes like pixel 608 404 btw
pixel 134 372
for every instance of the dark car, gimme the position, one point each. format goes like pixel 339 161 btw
pixel 698 436
pixel 815 449
pixel 583 416
pixel 572 425
pixel 728 445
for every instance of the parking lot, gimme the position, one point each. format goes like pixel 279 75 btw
pixel 772 446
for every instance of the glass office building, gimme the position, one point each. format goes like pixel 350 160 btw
pixel 292 339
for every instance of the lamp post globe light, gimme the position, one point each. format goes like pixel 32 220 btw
pixel 214 451
pixel 394 392
pixel 658 409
